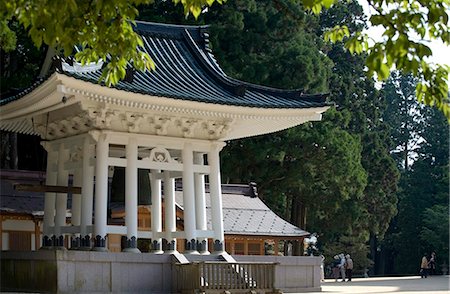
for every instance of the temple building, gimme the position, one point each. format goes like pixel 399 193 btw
pixel 170 123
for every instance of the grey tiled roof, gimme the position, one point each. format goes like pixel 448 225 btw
pixel 246 215
pixel 186 69
pixel 18 201
pixel 14 201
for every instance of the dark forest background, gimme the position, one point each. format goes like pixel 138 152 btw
pixel 371 179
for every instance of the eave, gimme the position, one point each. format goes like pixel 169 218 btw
pixel 60 91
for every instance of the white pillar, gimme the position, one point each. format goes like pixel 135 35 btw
pixel 101 193
pixel 189 199
pixel 61 198
pixel 76 207
pixel 50 197
pixel 216 198
pixel 170 212
pixel 200 204
pixel 155 184
pixel 131 195
pixel 87 192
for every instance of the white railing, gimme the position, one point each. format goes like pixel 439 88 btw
pixel 217 277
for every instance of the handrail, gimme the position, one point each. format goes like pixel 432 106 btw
pixel 216 276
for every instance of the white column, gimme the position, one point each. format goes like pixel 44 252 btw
pixel 200 204
pixel 87 192
pixel 101 193
pixel 216 198
pixel 61 198
pixel 170 212
pixel 76 207
pixel 131 195
pixel 50 198
pixel 189 199
pixel 155 184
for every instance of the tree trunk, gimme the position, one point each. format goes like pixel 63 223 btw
pixel 298 213
pixel 298 218
pixel 406 149
pixel 373 254
pixel 14 159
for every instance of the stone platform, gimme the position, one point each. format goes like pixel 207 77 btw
pixel 58 271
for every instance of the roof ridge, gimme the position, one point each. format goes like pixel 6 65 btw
pixel 235 86
pixel 150 26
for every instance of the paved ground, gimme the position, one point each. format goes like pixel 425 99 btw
pixel 404 285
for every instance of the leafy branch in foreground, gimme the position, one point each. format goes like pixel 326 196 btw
pixel 103 30
pixel 408 27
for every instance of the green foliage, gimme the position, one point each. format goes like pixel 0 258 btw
pixel 269 43
pixel 7 37
pixel 408 26
pixel 434 234
pixel 421 142
pixel 357 96
pixel 103 30
pixel 339 170
pixel 196 6
pixel 316 5
pixel 402 114
pixel 362 104
pixel 19 67
pixel 316 165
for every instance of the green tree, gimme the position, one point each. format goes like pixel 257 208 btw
pixel 356 96
pixel 423 193
pixel 269 43
pixel 314 169
pixel 433 234
pixel 402 113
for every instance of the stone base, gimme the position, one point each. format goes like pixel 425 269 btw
pixel 56 271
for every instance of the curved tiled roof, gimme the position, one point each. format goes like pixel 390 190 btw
pixel 186 69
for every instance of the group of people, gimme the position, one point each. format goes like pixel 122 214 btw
pixel 428 265
pixel 342 266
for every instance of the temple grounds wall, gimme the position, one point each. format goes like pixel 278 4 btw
pixel 103 272
pixel 293 274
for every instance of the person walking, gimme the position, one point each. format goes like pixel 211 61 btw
pixel 424 267
pixel 432 264
pixel 322 268
pixel 342 266
pixel 348 267
pixel 335 267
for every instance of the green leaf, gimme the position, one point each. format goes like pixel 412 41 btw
pixel 327 3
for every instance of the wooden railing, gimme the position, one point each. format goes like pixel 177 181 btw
pixel 217 277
